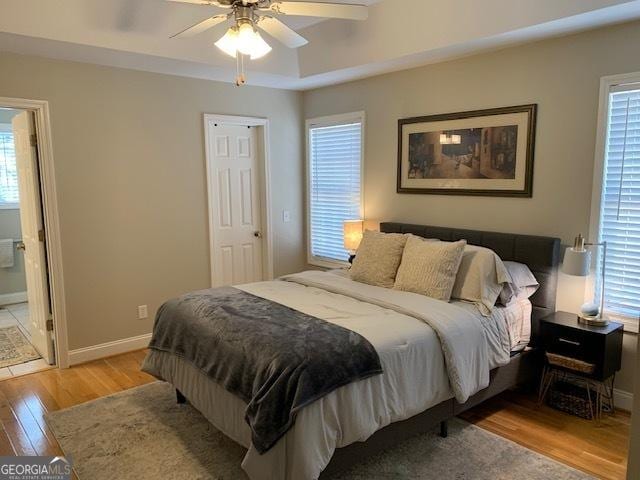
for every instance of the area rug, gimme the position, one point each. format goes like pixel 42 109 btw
pixel 15 348
pixel 143 434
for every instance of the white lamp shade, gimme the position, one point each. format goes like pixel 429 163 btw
pixel 228 43
pixel 352 234
pixel 260 47
pixel 577 262
pixel 246 38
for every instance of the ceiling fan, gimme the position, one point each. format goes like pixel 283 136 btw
pixel 243 39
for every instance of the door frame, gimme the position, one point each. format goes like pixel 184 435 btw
pixel 265 182
pixel 53 244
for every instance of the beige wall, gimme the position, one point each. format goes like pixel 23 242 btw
pixel 130 172
pixel 560 75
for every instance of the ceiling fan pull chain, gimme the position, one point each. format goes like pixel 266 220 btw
pixel 240 78
pixel 238 54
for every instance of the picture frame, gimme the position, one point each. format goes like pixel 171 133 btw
pixel 481 152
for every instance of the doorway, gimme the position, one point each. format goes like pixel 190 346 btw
pixel 237 156
pixel 26 326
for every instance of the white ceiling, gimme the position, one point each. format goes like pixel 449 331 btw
pixel 398 34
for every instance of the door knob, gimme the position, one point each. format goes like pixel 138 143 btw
pixel 257 234
pixel 20 246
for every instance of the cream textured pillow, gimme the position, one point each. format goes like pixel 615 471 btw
pixel 481 277
pixel 378 257
pixel 429 267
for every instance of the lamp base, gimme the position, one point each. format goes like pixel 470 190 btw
pixel 594 321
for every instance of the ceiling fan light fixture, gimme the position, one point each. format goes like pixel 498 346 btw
pixel 229 42
pixel 245 40
pixel 242 40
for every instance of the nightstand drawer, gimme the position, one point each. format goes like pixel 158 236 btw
pixel 571 343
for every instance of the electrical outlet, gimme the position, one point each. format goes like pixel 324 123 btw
pixel 142 312
pixel 286 216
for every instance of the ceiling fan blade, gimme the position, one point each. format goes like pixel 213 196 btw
pixel 281 32
pixel 319 9
pixel 213 3
pixel 201 26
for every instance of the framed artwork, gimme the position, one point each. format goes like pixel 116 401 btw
pixel 482 152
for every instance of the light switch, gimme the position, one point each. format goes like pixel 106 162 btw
pixel 142 312
pixel 286 216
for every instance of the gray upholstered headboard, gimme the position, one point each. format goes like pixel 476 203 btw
pixel 540 254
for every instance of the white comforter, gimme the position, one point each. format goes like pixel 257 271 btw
pixel 464 337
pixel 417 375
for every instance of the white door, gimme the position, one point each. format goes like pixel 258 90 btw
pixel 234 203
pixel 35 262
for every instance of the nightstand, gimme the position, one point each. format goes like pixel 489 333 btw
pixel 577 353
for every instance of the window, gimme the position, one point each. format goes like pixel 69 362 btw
pixel 619 223
pixel 8 172
pixel 334 192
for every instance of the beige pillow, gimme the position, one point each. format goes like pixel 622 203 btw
pixel 481 277
pixel 378 257
pixel 429 267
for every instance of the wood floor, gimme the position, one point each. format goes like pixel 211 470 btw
pixel 599 449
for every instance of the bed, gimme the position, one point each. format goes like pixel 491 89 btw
pixel 363 417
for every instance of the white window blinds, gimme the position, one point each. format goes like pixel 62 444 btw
pixel 8 171
pixel 335 151
pixel 620 207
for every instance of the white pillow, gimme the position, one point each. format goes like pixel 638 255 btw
pixel 378 258
pixel 508 294
pixel 523 282
pixel 481 278
pixel 429 267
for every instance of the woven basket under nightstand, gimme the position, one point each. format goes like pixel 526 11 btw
pixel 565 386
pixel 570 363
pixel 573 399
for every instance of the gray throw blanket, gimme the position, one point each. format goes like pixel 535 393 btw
pixel 273 357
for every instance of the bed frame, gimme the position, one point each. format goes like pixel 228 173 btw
pixel 542 256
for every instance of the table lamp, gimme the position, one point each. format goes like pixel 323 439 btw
pixel 352 230
pixel 577 262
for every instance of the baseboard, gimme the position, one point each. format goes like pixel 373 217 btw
pixel 9 298
pixel 623 400
pixel 108 349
